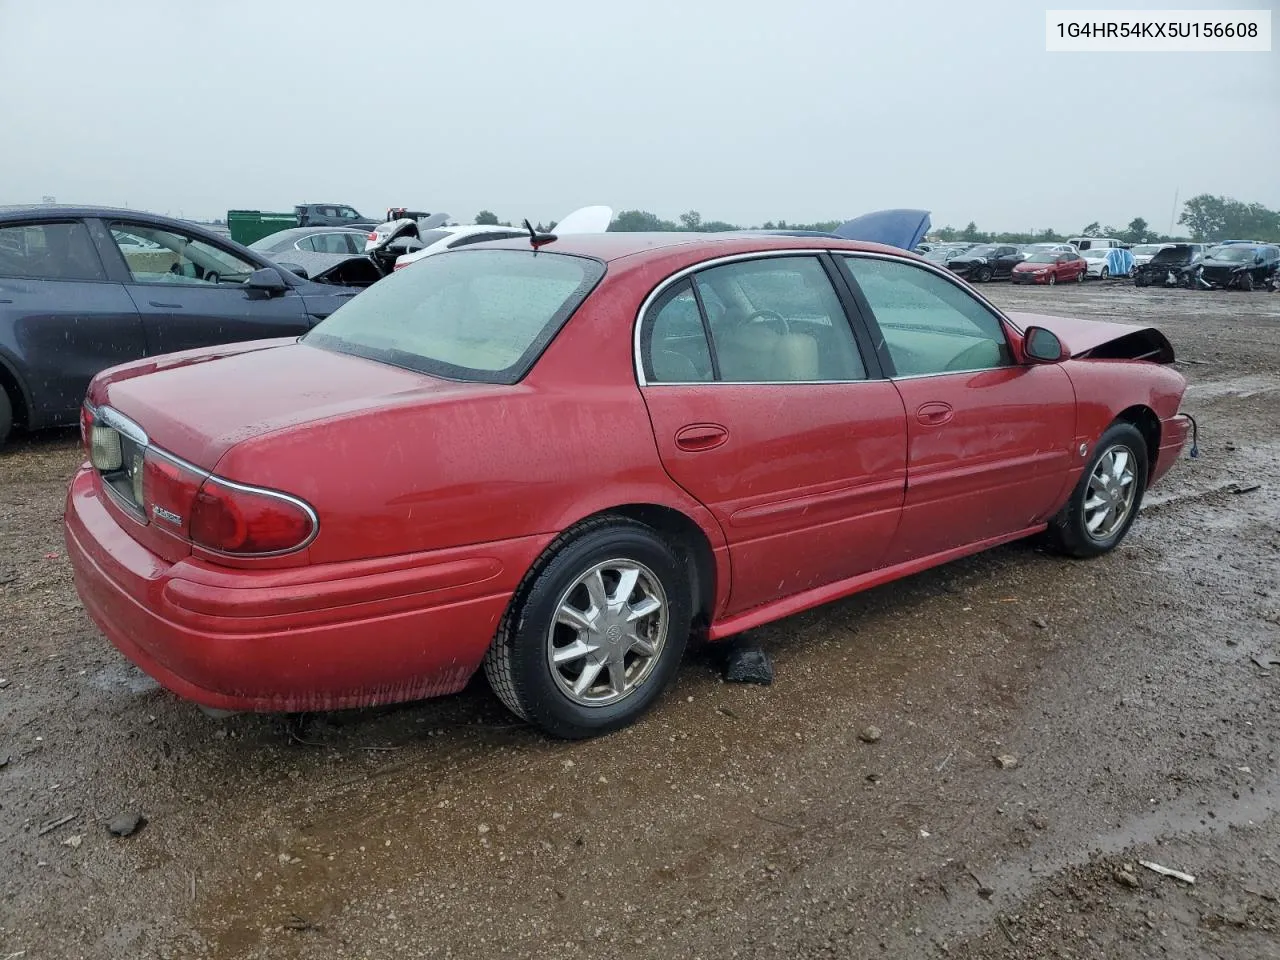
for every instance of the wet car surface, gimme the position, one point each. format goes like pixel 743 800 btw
pixel 1133 693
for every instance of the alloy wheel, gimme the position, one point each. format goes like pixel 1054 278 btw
pixel 1111 493
pixel 609 630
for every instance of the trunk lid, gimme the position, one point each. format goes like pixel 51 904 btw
pixel 199 411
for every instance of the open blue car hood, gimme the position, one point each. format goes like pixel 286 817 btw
pixel 893 228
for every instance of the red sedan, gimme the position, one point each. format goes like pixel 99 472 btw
pixel 1049 267
pixel 560 461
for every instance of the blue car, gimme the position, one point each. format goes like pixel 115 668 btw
pixel 85 288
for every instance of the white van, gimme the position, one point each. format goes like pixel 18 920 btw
pixel 1090 243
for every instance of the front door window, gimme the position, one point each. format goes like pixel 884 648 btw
pixel 155 255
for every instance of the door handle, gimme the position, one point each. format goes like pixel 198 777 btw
pixel 935 413
pixel 166 306
pixel 701 436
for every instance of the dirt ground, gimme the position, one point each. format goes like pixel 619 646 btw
pixel 733 821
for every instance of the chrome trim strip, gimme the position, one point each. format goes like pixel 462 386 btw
pixel 276 495
pixel 118 421
pixel 679 275
pixel 952 373
pixel 128 506
pixel 122 424
pixel 760 383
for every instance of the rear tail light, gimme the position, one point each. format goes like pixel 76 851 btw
pixel 169 492
pixel 373 234
pixel 399 266
pixel 245 521
pixel 185 501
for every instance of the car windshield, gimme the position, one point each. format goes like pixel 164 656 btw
pixel 1043 256
pixel 478 315
pixel 1172 255
pixel 1096 253
pixel 1233 253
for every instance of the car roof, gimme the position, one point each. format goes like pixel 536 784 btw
pixel 43 211
pixel 617 246
pixel 473 228
pixel 290 232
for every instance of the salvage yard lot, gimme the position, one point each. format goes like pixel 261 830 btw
pixel 731 820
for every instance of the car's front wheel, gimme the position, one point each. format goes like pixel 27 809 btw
pixel 1104 274
pixel 1246 281
pixel 1053 279
pixel 1105 502
pixel 595 633
pixel 983 275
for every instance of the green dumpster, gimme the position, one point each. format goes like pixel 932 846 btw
pixel 247 226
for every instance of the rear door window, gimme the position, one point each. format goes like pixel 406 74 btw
pixel 49 251
pixel 675 341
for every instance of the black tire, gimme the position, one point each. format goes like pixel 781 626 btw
pixel 1139 280
pixel 6 416
pixel 516 664
pixel 1105 273
pixel 1067 531
pixel 983 275
pixel 1246 281
pixel 1053 279
pixel 1080 276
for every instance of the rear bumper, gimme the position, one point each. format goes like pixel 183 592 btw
pixel 1173 437
pixel 313 638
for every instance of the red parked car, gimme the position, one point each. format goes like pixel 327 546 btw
pixel 1049 267
pixel 560 461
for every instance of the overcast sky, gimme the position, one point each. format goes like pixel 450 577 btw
pixel 746 110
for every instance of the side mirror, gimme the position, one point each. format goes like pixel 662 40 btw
pixel 1042 346
pixel 269 281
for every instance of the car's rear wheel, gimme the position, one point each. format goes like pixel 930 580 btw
pixel 983 274
pixel 6 416
pixel 1105 502
pixel 1053 279
pixel 1080 277
pixel 595 633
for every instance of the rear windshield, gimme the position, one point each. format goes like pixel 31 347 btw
pixel 482 315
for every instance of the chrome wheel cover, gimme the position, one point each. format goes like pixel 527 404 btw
pixel 1111 492
pixel 609 630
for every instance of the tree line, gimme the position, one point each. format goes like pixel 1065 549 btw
pixel 1206 217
